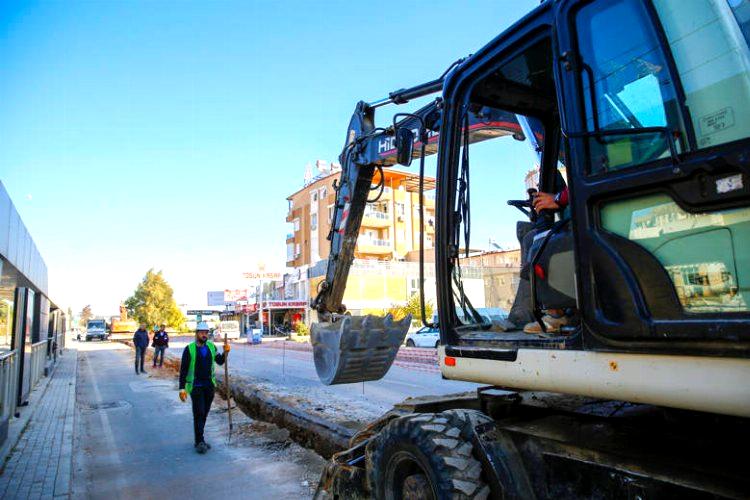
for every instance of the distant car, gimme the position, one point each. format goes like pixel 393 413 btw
pixel 424 337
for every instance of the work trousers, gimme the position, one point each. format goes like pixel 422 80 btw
pixel 202 398
pixel 159 351
pixel 140 356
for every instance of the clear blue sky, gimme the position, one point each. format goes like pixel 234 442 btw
pixel 168 134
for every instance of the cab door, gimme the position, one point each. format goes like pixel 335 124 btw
pixel 655 109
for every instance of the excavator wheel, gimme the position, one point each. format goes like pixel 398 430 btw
pixel 425 457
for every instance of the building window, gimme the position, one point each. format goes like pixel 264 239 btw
pixel 323 192
pixel 290 252
pixel 400 209
pixel 315 196
pixel 297 251
pixel 413 286
pixel 330 213
pixel 296 225
pixel 313 222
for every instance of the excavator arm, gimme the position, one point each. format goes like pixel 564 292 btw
pixel 353 348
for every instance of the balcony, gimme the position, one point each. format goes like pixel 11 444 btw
pixel 290 216
pixel 376 218
pixel 374 246
pixel 289 237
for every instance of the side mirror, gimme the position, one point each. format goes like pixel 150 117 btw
pixel 404 146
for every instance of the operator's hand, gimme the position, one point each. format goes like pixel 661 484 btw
pixel 227 348
pixel 183 395
pixel 545 201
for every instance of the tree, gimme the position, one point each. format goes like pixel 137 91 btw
pixel 153 302
pixel 86 315
pixel 413 307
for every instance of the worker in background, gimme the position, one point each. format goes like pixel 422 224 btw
pixel 140 340
pixel 197 378
pixel 160 343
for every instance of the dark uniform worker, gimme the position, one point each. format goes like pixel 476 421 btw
pixel 197 379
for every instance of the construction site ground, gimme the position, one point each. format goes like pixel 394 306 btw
pixel 134 439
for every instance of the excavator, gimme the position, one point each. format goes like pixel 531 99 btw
pixel 644 392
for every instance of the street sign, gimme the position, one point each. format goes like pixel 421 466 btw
pixel 201 312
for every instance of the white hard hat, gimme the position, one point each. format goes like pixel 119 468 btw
pixel 202 326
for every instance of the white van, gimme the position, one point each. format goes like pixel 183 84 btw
pixel 229 329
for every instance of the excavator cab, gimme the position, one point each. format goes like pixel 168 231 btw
pixel 639 102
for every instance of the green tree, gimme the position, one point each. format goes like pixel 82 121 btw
pixel 413 307
pixel 153 302
pixel 86 315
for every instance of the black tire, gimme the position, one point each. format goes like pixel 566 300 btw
pixel 437 344
pixel 410 343
pixel 427 456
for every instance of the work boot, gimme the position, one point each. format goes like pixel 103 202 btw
pixel 552 323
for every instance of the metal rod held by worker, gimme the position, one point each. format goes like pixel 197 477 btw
pixel 227 390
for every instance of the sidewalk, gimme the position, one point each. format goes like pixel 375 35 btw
pixel 40 464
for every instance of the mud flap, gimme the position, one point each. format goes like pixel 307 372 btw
pixel 356 348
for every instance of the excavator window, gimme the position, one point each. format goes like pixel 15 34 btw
pixel 626 86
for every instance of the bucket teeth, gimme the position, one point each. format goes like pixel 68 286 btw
pixel 356 348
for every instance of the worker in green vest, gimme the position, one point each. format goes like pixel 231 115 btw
pixel 197 378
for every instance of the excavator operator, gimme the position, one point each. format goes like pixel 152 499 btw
pixel 554 318
pixel 520 315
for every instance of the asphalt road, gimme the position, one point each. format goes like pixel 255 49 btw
pixel 134 440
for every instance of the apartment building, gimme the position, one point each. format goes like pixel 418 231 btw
pixel 390 227
pixel 389 234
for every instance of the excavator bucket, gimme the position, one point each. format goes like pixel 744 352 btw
pixel 356 348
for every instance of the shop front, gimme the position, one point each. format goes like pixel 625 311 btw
pixel 282 315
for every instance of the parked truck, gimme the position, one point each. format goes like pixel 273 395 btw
pixel 96 329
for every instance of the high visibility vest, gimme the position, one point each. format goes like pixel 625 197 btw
pixel 191 370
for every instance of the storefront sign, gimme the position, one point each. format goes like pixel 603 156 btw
pixel 262 275
pixel 246 309
pixel 284 304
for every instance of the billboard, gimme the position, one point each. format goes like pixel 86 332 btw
pixel 226 297
pixel 215 298
pixel 232 296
